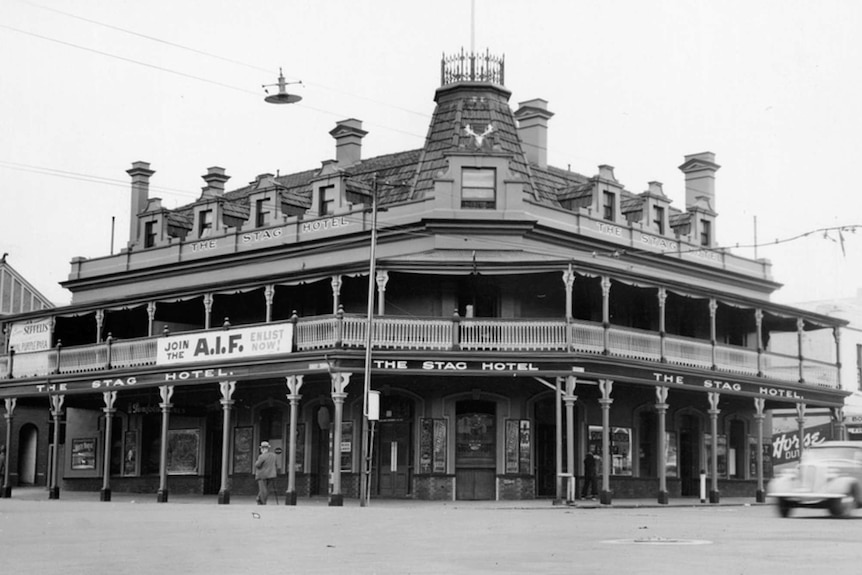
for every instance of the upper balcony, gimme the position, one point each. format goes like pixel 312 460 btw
pixel 348 331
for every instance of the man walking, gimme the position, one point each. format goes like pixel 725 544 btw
pixel 264 472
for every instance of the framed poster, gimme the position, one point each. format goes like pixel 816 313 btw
pixel 346 451
pixel 243 452
pixel 439 446
pixel 300 447
pixel 426 442
pixel 671 464
pixel 512 444
pixel 130 453
pixel 525 444
pixel 84 453
pixel 183 451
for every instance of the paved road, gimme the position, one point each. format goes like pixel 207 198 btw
pixel 134 535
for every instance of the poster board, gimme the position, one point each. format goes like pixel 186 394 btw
pixel 243 451
pixel 346 448
pixel 130 453
pixel 184 451
pixel 84 453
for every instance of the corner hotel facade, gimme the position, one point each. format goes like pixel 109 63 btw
pixel 523 315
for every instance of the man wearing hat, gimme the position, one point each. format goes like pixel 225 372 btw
pixel 264 472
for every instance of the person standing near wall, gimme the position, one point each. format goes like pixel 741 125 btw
pixel 264 472
pixel 590 464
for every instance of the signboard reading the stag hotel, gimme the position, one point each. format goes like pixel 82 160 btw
pixel 238 343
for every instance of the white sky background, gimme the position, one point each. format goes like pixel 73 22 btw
pixel 771 87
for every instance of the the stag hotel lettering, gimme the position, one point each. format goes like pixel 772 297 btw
pixel 324 224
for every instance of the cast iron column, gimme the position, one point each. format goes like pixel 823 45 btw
pixel 661 409
pixel 110 398
pixel 227 388
pixel 606 386
pixel 56 412
pixel 339 383
pixel 606 314
pixel 570 398
pixel 713 422
pixel 294 384
pixel 662 323
pixel 6 492
pixel 166 391
pixel 558 415
pixel 759 405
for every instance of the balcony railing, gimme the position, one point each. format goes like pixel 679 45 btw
pixel 437 334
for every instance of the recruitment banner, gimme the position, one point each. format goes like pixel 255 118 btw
pixel 30 336
pixel 236 343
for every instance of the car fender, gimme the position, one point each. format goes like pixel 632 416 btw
pixel 843 485
pixel 779 485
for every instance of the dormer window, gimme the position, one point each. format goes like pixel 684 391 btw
pixel 705 233
pixel 478 188
pixel 658 218
pixel 261 213
pixel 608 205
pixel 205 224
pixel 149 234
pixel 327 201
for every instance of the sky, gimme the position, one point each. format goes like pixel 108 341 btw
pixel 772 87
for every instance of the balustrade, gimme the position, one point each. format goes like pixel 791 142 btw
pixel 736 359
pixel 469 334
pixel 686 351
pixel 636 344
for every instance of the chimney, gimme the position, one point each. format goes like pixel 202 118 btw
pixel 533 116
pixel 348 136
pixel 699 170
pixel 140 173
pixel 215 179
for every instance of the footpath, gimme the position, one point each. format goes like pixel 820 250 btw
pixel 41 493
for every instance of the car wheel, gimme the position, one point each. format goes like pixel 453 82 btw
pixel 843 506
pixel 784 507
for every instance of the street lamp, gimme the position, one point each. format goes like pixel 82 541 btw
pixel 282 97
pixel 369 324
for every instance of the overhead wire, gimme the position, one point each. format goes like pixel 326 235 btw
pixel 115 182
pixel 212 55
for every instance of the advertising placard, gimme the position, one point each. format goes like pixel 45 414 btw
pixel 30 336
pixel 236 343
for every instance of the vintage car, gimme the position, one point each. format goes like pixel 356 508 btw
pixel 829 476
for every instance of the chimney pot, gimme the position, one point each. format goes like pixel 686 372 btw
pixel 215 179
pixel 348 136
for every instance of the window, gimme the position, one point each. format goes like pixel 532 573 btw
pixel 608 205
pixel 658 218
pixel 261 213
pixel 620 439
pixel 478 188
pixel 327 201
pixel 205 225
pixel 705 232
pixel 149 234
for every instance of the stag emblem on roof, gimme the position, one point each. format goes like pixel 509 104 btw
pixel 479 139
